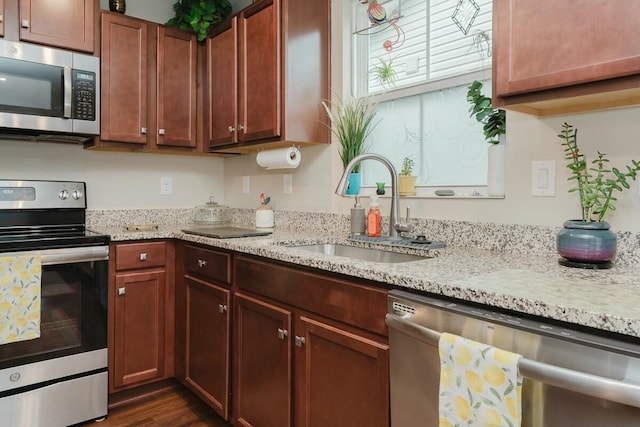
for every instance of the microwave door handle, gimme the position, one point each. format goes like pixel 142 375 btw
pixel 67 92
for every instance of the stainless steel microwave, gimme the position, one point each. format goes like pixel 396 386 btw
pixel 48 94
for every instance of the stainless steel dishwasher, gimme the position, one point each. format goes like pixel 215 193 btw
pixel 572 377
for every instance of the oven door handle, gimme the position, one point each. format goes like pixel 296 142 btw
pixel 568 379
pixel 66 255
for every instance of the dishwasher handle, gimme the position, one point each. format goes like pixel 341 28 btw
pixel 579 382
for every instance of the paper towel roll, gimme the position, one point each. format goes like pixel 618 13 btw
pixel 281 158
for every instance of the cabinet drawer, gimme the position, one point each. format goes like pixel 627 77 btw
pixel 355 304
pixel 140 255
pixel 208 264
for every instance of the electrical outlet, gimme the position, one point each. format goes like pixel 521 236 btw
pixel 166 185
pixel 245 185
pixel 288 183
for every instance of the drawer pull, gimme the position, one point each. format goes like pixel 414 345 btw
pixel 231 129
pixel 25 23
pixel 201 263
pixel 122 291
pixel 143 256
pixel 222 308
pixel 300 341
pixel 282 333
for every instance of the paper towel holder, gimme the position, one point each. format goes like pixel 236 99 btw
pixel 293 155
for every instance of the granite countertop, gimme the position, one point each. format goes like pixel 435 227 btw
pixel 536 285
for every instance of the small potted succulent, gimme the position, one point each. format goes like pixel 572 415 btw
pixel 407 181
pixel 587 242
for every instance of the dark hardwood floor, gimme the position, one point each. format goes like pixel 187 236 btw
pixel 173 407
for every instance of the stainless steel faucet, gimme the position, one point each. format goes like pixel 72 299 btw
pixel 395 227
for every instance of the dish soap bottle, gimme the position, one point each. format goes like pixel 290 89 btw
pixel 374 221
pixel 358 219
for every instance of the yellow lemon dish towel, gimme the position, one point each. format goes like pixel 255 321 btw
pixel 19 298
pixel 479 384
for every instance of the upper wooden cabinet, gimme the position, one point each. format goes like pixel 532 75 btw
pixel 555 57
pixel 266 75
pixel 149 77
pixel 61 23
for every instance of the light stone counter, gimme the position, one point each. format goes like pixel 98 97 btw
pixel 522 281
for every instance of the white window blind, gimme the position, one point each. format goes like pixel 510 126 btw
pixel 428 122
pixel 433 46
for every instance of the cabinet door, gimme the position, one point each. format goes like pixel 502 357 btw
pixel 63 23
pixel 262 355
pixel 139 328
pixel 260 81
pixel 1 18
pixel 207 342
pixel 342 379
pixel 176 87
pixel 222 85
pixel 548 44
pixel 124 79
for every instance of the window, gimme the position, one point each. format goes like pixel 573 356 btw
pixel 422 107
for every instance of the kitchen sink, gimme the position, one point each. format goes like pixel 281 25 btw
pixel 364 254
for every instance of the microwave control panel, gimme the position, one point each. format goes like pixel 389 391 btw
pixel 84 95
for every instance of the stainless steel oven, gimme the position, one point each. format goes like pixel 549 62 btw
pixel 48 94
pixel 59 378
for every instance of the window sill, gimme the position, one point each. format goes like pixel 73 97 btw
pixel 429 192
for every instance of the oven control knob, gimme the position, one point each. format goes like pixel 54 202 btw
pixel 63 195
pixel 76 195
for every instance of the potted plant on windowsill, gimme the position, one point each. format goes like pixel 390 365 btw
pixel 494 127
pixel 198 16
pixel 351 122
pixel 407 181
pixel 587 242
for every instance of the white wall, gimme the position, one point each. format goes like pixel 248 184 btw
pixel 152 10
pixel 116 180
pixel 528 138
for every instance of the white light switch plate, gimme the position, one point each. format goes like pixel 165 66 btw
pixel 543 178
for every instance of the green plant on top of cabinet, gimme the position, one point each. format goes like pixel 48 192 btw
pixel 197 16
pixel 67 24
pixel 593 67
pixel 257 90
pixel 149 77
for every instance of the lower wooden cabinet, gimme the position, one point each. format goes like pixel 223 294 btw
pixel 342 378
pixel 262 361
pixel 139 328
pixel 207 343
pixel 295 367
pixel 203 326
pixel 141 300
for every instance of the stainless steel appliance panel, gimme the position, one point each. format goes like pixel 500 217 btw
pixel 48 93
pixel 48 406
pixel 571 377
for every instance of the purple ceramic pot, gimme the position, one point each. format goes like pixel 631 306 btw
pixel 586 242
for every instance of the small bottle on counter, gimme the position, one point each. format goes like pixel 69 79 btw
pixel 358 219
pixel 374 220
